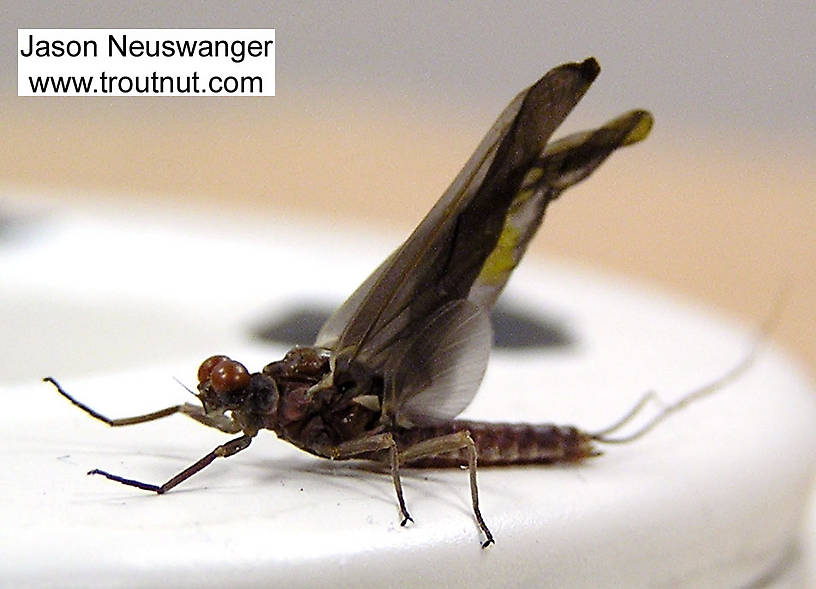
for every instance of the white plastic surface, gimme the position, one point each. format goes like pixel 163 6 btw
pixel 713 497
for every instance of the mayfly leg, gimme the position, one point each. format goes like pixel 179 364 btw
pixel 220 422
pixel 431 447
pixel 223 451
pixel 114 422
pixel 454 442
pixel 375 443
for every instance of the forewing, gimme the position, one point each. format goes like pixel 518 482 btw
pixel 439 372
pixel 346 317
pixel 330 331
pixel 446 252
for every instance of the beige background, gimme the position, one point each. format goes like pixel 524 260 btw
pixel 378 108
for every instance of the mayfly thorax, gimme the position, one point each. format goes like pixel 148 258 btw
pixel 404 355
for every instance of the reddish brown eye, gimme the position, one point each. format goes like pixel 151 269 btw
pixel 206 368
pixel 228 376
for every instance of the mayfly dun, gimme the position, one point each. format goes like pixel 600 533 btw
pixel 405 354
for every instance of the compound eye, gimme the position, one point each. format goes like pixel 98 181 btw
pixel 228 376
pixel 206 368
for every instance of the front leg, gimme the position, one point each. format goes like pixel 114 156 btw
pixel 372 444
pixel 220 422
pixel 223 451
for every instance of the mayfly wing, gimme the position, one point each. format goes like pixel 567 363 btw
pixel 468 178
pixel 436 376
pixel 462 187
pixel 563 163
pixel 333 327
pixel 443 256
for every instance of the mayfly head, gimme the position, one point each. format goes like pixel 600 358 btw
pixel 223 384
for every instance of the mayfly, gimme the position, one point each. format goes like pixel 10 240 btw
pixel 404 355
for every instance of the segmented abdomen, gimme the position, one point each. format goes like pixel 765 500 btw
pixel 503 443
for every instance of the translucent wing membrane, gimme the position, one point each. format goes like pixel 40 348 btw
pixel 440 371
pixel 331 330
